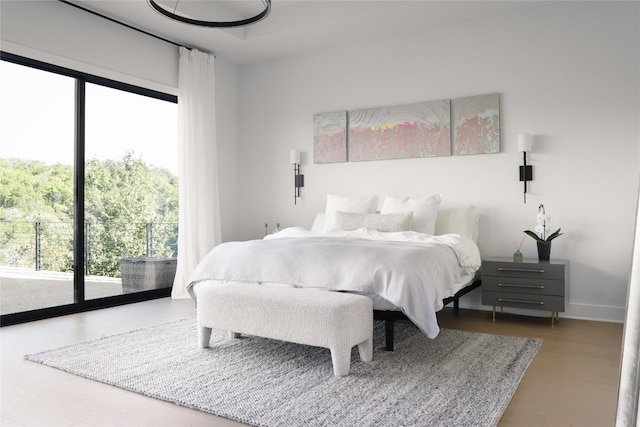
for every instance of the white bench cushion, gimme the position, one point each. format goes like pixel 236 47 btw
pixel 334 320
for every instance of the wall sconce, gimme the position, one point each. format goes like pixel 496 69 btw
pixel 298 179
pixel 525 143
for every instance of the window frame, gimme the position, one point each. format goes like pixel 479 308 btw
pixel 80 304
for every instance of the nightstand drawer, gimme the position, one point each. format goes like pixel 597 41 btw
pixel 536 302
pixel 523 285
pixel 511 269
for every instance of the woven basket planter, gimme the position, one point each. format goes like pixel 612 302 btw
pixel 141 274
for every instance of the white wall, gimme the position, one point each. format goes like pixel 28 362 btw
pixel 57 33
pixel 567 72
pixel 62 35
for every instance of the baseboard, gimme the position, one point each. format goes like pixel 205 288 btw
pixel 595 312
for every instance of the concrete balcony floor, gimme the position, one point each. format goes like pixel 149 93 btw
pixel 23 289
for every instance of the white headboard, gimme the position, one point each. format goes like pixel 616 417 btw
pixel 460 220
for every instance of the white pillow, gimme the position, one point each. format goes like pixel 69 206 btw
pixel 461 220
pixel 351 204
pixel 318 222
pixel 425 210
pixel 379 222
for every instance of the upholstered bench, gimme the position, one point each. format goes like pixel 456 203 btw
pixel 333 320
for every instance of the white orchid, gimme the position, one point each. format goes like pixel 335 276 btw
pixel 542 227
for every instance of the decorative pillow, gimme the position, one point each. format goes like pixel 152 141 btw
pixel 380 222
pixel 351 204
pixel 425 210
pixel 462 220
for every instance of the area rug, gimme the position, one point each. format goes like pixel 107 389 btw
pixel 458 379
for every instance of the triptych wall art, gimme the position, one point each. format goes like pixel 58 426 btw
pixel 330 137
pixel 409 131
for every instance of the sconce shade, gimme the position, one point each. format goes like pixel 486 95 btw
pixel 525 142
pixel 294 157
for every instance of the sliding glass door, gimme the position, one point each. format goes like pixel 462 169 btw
pixel 36 188
pixel 131 192
pixel 88 191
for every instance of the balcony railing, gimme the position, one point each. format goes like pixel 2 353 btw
pixel 49 245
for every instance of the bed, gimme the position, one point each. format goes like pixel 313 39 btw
pixel 410 257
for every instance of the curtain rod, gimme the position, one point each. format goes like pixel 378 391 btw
pixel 77 6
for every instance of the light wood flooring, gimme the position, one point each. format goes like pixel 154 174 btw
pixel 571 382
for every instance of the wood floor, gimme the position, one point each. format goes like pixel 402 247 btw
pixel 571 382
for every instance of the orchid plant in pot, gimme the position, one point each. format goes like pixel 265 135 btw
pixel 541 234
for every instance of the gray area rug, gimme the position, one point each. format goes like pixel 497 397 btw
pixel 458 379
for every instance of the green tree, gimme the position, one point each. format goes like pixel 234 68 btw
pixel 32 192
pixel 121 198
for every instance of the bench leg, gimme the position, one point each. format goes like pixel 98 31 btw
pixel 341 359
pixel 366 350
pixel 204 335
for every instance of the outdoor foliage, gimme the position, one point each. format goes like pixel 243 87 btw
pixel 131 210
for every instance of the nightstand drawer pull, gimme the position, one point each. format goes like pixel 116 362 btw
pixel 521 270
pixel 513 285
pixel 520 301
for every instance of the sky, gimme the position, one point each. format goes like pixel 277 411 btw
pixel 36 120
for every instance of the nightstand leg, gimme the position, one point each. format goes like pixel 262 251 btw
pixel 494 313
pixel 553 318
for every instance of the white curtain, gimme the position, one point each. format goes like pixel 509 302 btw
pixel 629 385
pixel 199 223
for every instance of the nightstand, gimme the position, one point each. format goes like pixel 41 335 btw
pixel 531 284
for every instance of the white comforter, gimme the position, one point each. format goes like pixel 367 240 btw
pixel 414 271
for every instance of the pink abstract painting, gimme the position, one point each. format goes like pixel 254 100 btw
pixel 330 137
pixel 476 124
pixel 400 132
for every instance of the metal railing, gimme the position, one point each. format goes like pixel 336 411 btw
pixel 49 245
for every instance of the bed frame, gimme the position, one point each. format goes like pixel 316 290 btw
pixel 390 317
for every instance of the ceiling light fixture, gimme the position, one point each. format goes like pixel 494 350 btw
pixel 164 10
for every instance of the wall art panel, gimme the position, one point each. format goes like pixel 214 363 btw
pixel 476 121
pixel 398 132
pixel 330 137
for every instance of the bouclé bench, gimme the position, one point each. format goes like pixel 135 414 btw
pixel 334 320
